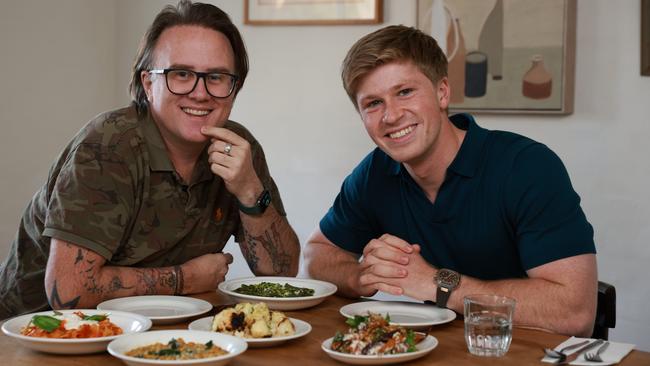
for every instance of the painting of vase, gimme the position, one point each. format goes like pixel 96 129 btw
pixel 505 56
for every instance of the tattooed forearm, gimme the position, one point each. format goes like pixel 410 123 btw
pixel 116 285
pixel 270 240
pixel 168 279
pixel 148 279
pixel 56 302
pixel 80 256
pixel 248 251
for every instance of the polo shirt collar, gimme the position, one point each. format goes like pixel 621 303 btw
pixel 469 155
pixel 158 157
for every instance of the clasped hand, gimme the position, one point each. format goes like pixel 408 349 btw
pixel 394 266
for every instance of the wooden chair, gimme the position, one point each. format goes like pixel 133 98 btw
pixel 605 311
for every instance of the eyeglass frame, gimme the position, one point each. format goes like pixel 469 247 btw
pixel 199 75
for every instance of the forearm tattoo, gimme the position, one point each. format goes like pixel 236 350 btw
pixel 270 240
pixel 56 302
pixel 150 279
pixel 86 269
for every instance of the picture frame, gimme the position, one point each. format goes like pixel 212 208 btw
pixel 645 37
pixel 306 12
pixel 506 56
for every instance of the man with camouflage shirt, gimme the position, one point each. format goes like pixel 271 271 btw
pixel 143 199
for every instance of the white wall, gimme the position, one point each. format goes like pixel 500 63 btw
pixel 57 70
pixel 294 103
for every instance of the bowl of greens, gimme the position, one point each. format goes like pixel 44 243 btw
pixel 279 293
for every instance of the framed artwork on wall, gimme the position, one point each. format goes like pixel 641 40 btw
pixel 310 12
pixel 645 37
pixel 506 56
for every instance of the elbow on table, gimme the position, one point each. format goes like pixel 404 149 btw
pixel 579 323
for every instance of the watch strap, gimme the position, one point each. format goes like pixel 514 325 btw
pixel 442 296
pixel 262 202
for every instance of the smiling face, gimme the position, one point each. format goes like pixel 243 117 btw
pixel 403 111
pixel 180 117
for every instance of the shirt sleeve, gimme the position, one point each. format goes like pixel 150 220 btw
pixel 545 210
pixel 89 204
pixel 349 223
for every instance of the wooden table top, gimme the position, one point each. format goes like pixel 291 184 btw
pixel 526 347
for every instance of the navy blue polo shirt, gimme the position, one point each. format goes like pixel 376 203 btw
pixel 506 206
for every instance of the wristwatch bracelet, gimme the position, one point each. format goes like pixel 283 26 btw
pixel 262 202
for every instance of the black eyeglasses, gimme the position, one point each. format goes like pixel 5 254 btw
pixel 183 82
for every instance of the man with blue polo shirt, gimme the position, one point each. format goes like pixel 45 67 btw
pixel 443 208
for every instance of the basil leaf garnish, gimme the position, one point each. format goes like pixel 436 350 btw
pixel 96 317
pixel 46 322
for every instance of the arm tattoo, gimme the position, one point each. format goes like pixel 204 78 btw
pixel 148 279
pixel 248 250
pixel 80 256
pixel 56 302
pixel 270 240
pixel 87 270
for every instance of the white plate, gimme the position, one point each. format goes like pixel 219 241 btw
pixel 118 348
pixel 321 289
pixel 405 314
pixel 160 309
pixel 424 347
pixel 130 323
pixel 302 329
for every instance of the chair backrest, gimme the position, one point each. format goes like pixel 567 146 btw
pixel 606 310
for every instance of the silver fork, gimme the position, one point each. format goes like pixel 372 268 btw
pixel 561 353
pixel 595 356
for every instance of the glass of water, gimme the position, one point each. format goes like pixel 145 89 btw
pixel 488 324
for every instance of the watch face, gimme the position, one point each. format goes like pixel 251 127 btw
pixel 448 278
pixel 265 200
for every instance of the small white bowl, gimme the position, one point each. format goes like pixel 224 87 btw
pixel 119 347
pixel 129 322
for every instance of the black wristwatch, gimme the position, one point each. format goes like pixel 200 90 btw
pixel 446 281
pixel 263 201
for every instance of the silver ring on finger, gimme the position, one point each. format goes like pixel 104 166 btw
pixel 227 149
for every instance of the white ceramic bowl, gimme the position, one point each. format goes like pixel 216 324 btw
pixel 321 289
pixel 129 322
pixel 119 347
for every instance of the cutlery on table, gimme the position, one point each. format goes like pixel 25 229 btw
pixel 595 357
pixel 572 357
pixel 561 353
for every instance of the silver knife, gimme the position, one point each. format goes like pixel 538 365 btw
pixel 572 357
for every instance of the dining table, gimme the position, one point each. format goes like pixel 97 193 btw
pixel 325 319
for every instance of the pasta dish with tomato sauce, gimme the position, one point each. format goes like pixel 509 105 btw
pixel 71 325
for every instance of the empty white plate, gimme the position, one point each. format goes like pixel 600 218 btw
pixel 160 309
pixel 405 314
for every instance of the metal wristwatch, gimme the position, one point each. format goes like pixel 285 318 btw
pixel 263 201
pixel 446 281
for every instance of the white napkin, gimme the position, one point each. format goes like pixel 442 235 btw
pixel 612 355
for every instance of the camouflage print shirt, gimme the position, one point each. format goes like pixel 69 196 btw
pixel 114 190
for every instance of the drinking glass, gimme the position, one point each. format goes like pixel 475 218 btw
pixel 488 324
